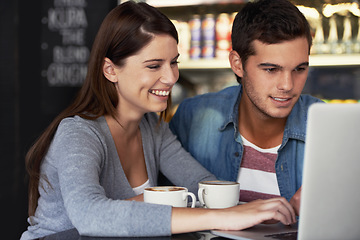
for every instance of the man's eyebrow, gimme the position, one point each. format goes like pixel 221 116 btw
pixel 269 65
pixel 306 64
pixel 177 56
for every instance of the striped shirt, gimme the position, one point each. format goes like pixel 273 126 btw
pixel 257 175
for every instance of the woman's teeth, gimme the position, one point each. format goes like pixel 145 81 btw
pixel 160 92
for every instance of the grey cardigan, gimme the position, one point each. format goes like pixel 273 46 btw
pixel 88 185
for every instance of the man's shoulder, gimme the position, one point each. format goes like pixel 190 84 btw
pixel 209 108
pixel 221 97
pixel 305 100
pixel 298 116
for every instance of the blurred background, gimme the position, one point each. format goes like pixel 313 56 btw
pixel 204 27
pixel 45 46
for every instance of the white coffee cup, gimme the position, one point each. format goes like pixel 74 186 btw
pixel 219 194
pixel 169 195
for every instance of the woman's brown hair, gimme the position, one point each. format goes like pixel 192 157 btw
pixel 124 31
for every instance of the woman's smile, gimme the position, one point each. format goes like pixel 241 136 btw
pixel 160 93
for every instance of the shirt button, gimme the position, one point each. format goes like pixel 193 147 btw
pixel 237 154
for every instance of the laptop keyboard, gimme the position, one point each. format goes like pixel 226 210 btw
pixel 283 236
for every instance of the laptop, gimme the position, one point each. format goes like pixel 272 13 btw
pixel 330 198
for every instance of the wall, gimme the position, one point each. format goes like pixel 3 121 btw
pixel 28 100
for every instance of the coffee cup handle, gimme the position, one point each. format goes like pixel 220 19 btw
pixel 193 199
pixel 201 196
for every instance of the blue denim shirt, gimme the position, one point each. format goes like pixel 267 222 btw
pixel 207 126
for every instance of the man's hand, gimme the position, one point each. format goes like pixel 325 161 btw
pixel 295 201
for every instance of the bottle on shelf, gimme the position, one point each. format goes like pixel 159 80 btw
pixel 208 36
pixel 319 41
pixel 223 36
pixel 195 37
pixel 356 46
pixel 347 36
pixel 333 40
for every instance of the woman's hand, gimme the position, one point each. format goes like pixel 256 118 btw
pixel 234 218
pixel 261 211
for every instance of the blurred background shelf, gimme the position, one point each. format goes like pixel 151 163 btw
pixel 204 64
pixel 175 3
pixel 325 60
pixel 335 60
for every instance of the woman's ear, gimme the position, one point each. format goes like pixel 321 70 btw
pixel 109 70
pixel 236 63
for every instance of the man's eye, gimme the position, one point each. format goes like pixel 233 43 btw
pixel 271 70
pixel 300 69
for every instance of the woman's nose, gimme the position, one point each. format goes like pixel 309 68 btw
pixel 170 76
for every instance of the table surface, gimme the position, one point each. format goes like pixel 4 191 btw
pixel 73 234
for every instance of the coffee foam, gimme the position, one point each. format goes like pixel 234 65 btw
pixel 218 183
pixel 165 189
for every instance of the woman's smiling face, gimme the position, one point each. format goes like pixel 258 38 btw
pixel 146 79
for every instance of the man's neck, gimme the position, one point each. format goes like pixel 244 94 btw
pixel 261 130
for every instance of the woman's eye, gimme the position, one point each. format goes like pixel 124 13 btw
pixel 153 66
pixel 175 62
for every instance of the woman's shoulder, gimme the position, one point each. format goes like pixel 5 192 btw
pixel 77 121
pixel 79 125
pixel 74 133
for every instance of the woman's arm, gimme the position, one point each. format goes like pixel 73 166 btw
pixel 86 186
pixel 234 218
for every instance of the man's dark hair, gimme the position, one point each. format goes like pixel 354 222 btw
pixel 269 21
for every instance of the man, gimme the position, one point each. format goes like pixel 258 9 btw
pixel 254 133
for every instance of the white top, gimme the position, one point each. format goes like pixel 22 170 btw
pixel 140 189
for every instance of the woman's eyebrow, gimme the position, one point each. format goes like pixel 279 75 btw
pixel 159 59
pixel 154 60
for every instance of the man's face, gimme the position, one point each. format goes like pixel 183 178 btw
pixel 274 77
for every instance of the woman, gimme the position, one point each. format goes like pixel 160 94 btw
pixel 109 145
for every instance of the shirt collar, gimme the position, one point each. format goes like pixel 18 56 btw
pixel 295 125
pixel 231 109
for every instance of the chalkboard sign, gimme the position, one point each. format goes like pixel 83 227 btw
pixel 68 30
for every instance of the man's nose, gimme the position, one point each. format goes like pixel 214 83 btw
pixel 285 82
